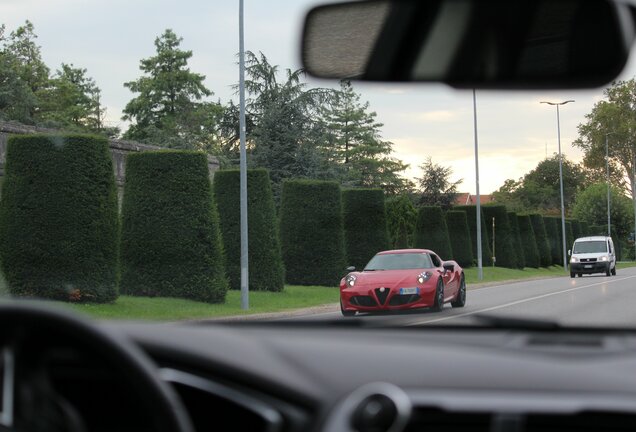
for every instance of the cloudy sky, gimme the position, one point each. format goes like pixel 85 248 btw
pixel 109 38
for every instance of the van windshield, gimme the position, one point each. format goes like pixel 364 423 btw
pixel 590 247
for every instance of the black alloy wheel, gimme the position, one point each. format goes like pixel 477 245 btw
pixel 439 296
pixel 460 299
pixel 346 313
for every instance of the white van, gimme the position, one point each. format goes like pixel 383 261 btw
pixel 592 255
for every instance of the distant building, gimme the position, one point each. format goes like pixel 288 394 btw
pixel 469 199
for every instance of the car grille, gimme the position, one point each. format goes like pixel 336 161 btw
pixel 402 299
pixel 367 301
pixel 588 260
pixel 382 295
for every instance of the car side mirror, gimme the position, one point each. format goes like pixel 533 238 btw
pixel 448 267
pixel 569 252
pixel 351 268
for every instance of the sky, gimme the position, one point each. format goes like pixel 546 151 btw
pixel 109 37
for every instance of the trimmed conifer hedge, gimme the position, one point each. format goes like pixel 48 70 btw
pixel 401 218
pixel 585 228
pixel 528 241
pixel 553 231
pixel 266 271
pixel 471 217
pixel 431 232
pixel 58 218
pixel 365 227
pixel 171 244
pixel 505 253
pixel 312 234
pixel 459 238
pixel 540 234
pixel 569 235
pixel 514 225
pixel 598 230
pixel 577 231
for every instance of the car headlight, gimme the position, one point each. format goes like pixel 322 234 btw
pixel 574 260
pixel 604 258
pixel 423 277
pixel 350 280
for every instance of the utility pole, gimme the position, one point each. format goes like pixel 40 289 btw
pixel 480 270
pixel 245 302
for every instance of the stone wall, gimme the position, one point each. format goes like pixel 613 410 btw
pixel 118 149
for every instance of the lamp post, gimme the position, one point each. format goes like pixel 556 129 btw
pixel 609 228
pixel 480 270
pixel 245 303
pixel 557 104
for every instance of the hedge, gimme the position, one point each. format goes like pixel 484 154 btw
pixel 459 238
pixel 365 227
pixel 58 218
pixel 431 232
pixel 171 244
pixel 471 217
pixel 266 271
pixel 553 231
pixel 401 218
pixel 577 230
pixel 569 235
pixel 514 225
pixel 505 254
pixel 312 235
pixel 543 245
pixel 585 228
pixel 598 230
pixel 528 241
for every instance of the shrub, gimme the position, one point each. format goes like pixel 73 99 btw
pixel 431 231
pixel 365 228
pixel 312 235
pixel 266 272
pixel 540 234
pixel 555 241
pixel 505 254
pixel 171 244
pixel 58 218
pixel 514 225
pixel 401 218
pixel 528 241
pixel 471 217
pixel 459 238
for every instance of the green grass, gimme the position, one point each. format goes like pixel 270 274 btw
pixel 625 264
pixel 170 309
pixel 498 274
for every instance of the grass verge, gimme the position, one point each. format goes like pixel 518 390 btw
pixel 498 274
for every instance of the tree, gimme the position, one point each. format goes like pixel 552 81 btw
pixel 539 189
pixel 615 115
pixel 435 187
pixel 591 207
pixel 170 109
pixel 401 218
pixel 354 143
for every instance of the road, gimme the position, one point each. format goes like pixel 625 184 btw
pixel 594 300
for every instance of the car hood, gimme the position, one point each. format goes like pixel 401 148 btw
pixel 390 277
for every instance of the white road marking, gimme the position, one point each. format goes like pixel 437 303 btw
pixel 505 305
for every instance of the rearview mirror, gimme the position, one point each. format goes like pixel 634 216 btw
pixel 569 252
pixel 471 43
pixel 351 268
pixel 448 267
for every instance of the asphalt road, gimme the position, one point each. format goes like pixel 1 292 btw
pixel 595 300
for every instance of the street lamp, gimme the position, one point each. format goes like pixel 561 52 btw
pixel 609 230
pixel 557 104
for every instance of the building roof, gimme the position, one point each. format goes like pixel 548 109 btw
pixel 465 198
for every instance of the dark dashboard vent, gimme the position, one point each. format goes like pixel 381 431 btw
pixel 586 421
pixel 433 419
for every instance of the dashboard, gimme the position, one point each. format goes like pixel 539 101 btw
pixel 308 377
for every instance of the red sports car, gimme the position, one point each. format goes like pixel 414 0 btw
pixel 400 280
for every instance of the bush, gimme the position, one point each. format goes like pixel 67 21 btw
pixel 505 254
pixel 312 235
pixel 514 225
pixel 171 244
pixel 459 238
pixel 540 234
pixel 471 217
pixel 555 241
pixel 528 242
pixel 401 218
pixel 364 225
pixel 431 231
pixel 266 272
pixel 58 218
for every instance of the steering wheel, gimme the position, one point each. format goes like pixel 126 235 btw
pixel 27 400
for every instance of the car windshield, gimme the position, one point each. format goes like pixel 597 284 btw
pixel 399 261
pixel 596 246
pixel 123 135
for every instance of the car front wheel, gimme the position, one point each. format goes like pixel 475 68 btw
pixel 460 299
pixel 346 313
pixel 439 296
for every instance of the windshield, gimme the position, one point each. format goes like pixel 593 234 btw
pixel 122 134
pixel 589 247
pixel 399 262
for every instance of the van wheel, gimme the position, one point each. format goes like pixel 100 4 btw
pixel 608 272
pixel 614 271
pixel 572 275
